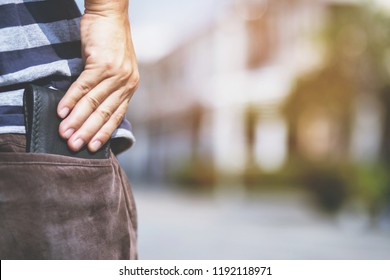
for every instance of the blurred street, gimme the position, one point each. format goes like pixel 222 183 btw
pixel 181 225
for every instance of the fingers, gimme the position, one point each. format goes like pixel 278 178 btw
pixel 104 134
pixel 96 114
pixel 87 81
pixel 99 126
pixel 85 106
pixel 95 117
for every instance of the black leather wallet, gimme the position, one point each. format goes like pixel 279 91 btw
pixel 42 123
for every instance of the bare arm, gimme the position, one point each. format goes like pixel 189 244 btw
pixel 97 101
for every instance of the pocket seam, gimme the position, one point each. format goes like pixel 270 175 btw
pixel 16 158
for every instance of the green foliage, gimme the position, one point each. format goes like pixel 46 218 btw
pixel 195 174
pixel 356 61
pixel 371 184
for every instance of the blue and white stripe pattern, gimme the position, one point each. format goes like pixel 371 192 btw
pixel 39 43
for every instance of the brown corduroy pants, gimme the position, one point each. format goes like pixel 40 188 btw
pixel 57 207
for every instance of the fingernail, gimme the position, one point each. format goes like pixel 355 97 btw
pixel 68 133
pixel 78 144
pixel 95 145
pixel 64 112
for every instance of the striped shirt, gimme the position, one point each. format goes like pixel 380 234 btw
pixel 40 44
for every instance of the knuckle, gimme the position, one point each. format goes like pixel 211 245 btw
pixel 117 119
pixel 108 66
pixel 127 68
pixel 133 81
pixel 135 77
pixel 105 114
pixel 92 101
pixel 82 87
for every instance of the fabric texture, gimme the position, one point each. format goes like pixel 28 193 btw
pixel 40 44
pixel 57 207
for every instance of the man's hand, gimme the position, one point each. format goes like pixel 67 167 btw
pixel 97 101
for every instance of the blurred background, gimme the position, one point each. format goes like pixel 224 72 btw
pixel 263 129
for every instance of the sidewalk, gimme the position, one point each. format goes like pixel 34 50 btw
pixel 268 226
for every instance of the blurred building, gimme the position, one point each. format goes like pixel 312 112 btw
pixel 214 99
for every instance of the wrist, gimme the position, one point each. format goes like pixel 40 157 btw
pixel 107 8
